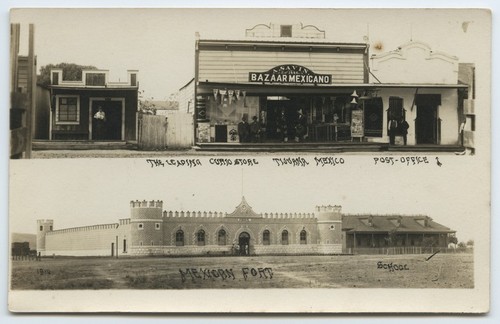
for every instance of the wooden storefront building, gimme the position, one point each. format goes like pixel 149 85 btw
pixel 288 84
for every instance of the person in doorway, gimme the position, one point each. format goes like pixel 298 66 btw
pixel 244 129
pixel 403 127
pixel 392 129
pixel 100 123
pixel 300 127
pixel 255 131
pixel 282 127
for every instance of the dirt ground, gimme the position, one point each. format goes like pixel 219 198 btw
pixel 375 271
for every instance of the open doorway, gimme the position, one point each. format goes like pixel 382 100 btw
pixel 427 121
pixel 107 120
pixel 244 243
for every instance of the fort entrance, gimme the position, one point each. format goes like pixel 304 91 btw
pixel 244 243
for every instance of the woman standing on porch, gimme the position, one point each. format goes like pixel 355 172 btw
pixel 100 127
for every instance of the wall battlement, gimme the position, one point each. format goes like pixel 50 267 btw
pixel 146 204
pixel 210 214
pixel 84 228
pixel 328 209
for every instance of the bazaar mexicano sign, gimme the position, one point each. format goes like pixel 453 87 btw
pixel 290 73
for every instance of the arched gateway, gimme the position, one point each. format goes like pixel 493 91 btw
pixel 244 243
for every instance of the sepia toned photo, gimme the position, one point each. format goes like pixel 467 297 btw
pixel 275 160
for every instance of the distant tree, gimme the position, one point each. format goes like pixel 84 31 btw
pixel 470 243
pixel 461 245
pixel 71 72
pixel 146 105
pixel 453 240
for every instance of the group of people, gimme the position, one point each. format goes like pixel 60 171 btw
pixel 299 129
pixel 250 132
pixel 397 127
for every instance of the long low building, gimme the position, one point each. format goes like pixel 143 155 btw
pixel 152 231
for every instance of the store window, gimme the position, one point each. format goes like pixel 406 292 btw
pixel 221 237
pixel 179 238
pixel 266 237
pixel 68 110
pixel 284 237
pixel 200 236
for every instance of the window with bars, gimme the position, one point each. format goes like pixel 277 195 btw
pixel 266 235
pixel 221 237
pixel 303 237
pixel 201 237
pixel 284 237
pixel 179 238
pixel 68 110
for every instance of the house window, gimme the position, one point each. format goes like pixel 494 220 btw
pixel 140 226
pixel 266 237
pixel 200 237
pixel 157 226
pixel 41 228
pixel 68 110
pixel 286 31
pixel 95 79
pixel 221 237
pixel 50 228
pixel 284 237
pixel 179 238
pixel 303 237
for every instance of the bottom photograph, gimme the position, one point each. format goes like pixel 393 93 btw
pixel 192 240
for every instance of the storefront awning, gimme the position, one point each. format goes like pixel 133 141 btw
pixel 280 89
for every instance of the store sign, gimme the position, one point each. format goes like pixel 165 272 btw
pixel 290 74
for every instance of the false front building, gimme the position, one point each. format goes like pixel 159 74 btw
pixel 152 231
pixel 91 109
pixel 287 84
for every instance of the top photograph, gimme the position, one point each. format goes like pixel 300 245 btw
pixel 165 82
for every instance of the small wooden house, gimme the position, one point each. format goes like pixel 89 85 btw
pixel 93 108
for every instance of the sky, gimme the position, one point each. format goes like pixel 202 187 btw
pixel 160 42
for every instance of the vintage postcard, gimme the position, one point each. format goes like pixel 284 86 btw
pixel 250 160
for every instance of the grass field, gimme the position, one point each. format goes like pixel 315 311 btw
pixel 374 271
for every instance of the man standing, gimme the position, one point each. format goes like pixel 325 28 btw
pixel 403 125
pixel 392 128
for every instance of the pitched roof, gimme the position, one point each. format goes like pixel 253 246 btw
pixel 243 210
pixel 402 224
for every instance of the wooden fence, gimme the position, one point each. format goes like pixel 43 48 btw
pixel 160 132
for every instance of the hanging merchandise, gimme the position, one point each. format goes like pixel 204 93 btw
pixel 216 91
pixel 244 93
pixel 230 94
pixel 222 99
pixel 237 93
